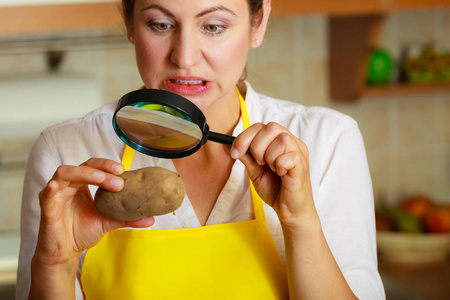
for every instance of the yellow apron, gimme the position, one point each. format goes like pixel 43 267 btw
pixel 224 261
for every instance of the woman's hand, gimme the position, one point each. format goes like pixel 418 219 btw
pixel 278 165
pixel 70 224
pixel 69 221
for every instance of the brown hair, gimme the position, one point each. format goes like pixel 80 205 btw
pixel 255 7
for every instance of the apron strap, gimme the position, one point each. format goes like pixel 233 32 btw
pixel 257 201
pixel 127 157
pixel 258 208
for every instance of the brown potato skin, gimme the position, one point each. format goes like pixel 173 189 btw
pixel 147 192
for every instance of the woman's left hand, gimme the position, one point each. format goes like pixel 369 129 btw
pixel 278 165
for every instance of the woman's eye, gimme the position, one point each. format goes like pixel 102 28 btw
pixel 213 28
pixel 161 26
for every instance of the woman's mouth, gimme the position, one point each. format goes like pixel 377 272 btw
pixel 187 86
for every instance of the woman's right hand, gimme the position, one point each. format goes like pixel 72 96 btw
pixel 70 222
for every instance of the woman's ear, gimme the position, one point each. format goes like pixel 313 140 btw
pixel 259 31
pixel 130 34
pixel 130 37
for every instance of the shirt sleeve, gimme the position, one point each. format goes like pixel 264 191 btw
pixel 346 209
pixel 41 166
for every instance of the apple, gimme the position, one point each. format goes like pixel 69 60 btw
pixel 437 220
pixel 418 206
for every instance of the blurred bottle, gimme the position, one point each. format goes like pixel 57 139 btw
pixel 380 67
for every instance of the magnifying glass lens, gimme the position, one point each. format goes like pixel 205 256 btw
pixel 158 126
pixel 163 124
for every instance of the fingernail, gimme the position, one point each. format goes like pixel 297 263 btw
pixel 234 154
pixel 118 168
pixel 99 174
pixel 258 162
pixel 116 182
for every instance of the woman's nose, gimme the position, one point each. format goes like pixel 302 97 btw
pixel 186 51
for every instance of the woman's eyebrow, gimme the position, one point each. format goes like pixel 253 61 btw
pixel 216 8
pixel 203 13
pixel 158 7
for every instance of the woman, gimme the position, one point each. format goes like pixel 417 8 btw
pixel 308 165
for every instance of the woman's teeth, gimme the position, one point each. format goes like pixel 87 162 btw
pixel 187 82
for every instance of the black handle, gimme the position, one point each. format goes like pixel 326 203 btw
pixel 220 138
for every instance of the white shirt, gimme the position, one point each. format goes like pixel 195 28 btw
pixel 339 176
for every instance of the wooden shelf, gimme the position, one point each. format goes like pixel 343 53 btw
pixel 327 7
pixel 27 19
pixel 405 89
pixel 418 4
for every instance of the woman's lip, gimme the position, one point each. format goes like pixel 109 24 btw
pixel 187 85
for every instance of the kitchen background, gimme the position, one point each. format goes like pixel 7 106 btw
pixel 407 137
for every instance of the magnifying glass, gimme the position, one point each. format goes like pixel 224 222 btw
pixel 163 124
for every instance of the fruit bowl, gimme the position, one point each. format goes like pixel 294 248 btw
pixel 413 247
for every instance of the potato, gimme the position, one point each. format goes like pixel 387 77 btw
pixel 147 192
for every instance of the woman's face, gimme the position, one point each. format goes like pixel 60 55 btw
pixel 197 49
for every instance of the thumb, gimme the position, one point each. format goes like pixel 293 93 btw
pixel 253 168
pixel 146 222
pixel 111 224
